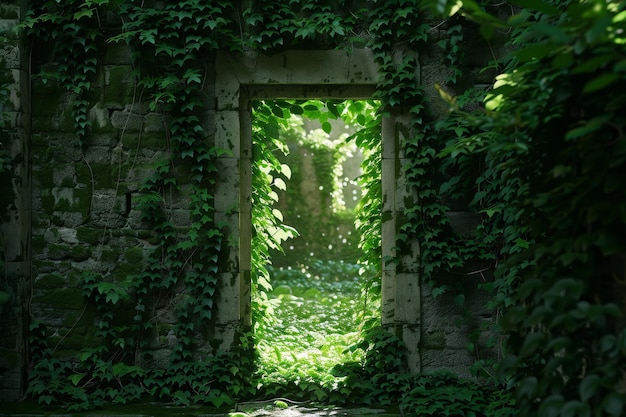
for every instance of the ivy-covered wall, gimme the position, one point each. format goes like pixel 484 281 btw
pixel 125 252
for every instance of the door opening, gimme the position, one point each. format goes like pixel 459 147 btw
pixel 316 232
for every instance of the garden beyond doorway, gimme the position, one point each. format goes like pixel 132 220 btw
pixel 317 248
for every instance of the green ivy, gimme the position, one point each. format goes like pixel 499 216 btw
pixel 492 154
pixel 550 148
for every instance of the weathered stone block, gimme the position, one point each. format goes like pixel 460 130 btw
pixel 50 281
pixel 126 120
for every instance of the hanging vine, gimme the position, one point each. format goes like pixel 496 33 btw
pixel 174 43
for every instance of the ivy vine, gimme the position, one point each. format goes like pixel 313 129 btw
pixel 539 158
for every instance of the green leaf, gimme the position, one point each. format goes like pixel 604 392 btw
pixel 613 404
pixel 532 343
pixel 601 82
pixel 538 5
pixel 76 378
pixel 575 409
pixel 327 127
pixel 83 13
pixel 526 388
pixel 285 170
pixel 589 386
pixel 280 184
pixel 272 131
pixel 551 406
pixel 535 51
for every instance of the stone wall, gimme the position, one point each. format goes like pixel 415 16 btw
pixel 86 219
pixel 70 209
pixel 14 203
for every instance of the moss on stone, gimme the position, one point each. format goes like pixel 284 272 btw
pixel 119 88
pixel 82 197
pixel 44 264
pixel 62 299
pixel 110 255
pixel 57 252
pixel 81 336
pixel 67 122
pixel 434 340
pixel 154 141
pixel 50 281
pixel 163 329
pixel 39 221
pixel 67 182
pixel 47 202
pixel 8 11
pixel 44 175
pixel 80 252
pixel 134 255
pixel 75 278
pixel 104 174
pixel 88 235
pixel 124 270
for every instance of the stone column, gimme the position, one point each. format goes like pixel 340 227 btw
pixel 15 185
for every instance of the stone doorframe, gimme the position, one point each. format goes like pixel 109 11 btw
pixel 333 74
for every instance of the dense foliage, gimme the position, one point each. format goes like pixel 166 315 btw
pixel 540 156
pixel 552 151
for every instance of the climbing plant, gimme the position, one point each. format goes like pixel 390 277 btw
pixel 550 141
pixel 270 118
pixel 496 160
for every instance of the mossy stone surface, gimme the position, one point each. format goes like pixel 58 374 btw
pixel 80 252
pixel 105 175
pixel 82 201
pixel 134 255
pixel 88 235
pixel 110 255
pixel 434 339
pixel 50 281
pixel 75 278
pixel 57 251
pixel 62 298
pixel 9 9
pixel 119 88
pixel 44 175
pixel 125 270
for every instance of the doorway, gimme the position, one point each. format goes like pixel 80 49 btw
pixel 325 75
pixel 316 223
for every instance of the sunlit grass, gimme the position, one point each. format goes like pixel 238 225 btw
pixel 317 317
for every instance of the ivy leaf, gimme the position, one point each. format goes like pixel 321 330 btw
pixel 575 409
pixel 449 184
pixel 589 386
pixel 613 404
pixel 285 170
pixel 83 13
pixel 532 342
pixel 75 378
pixel 535 51
pixel 551 406
pixel 193 75
pixel 295 109
pixel 280 184
pixel 272 131
pixel 277 213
